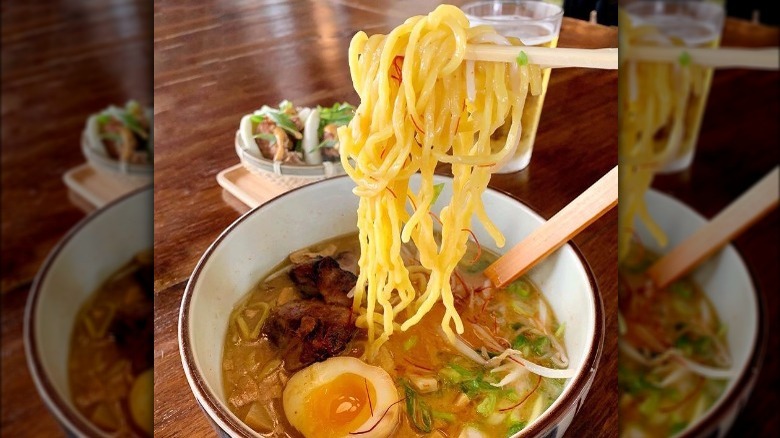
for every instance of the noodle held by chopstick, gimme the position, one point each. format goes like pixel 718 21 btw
pixel 422 103
pixel 661 103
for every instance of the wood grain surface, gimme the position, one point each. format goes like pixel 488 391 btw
pixel 217 61
pixel 61 62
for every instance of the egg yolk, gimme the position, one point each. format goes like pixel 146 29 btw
pixel 342 405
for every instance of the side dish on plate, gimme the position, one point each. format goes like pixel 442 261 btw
pixel 295 135
pixel 123 135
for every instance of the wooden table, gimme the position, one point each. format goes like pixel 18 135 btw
pixel 738 145
pixel 216 62
pixel 62 61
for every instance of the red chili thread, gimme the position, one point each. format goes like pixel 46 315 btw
pixel 417 365
pixel 479 247
pixel 380 419
pixel 538 381
pixel 368 394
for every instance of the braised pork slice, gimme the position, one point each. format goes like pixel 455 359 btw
pixel 324 277
pixel 309 331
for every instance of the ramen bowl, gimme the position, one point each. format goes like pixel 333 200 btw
pixel 727 282
pixel 89 254
pixel 255 243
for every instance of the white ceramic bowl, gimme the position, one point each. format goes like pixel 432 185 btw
pixel 90 253
pixel 728 284
pixel 95 153
pixel 247 250
pixel 288 176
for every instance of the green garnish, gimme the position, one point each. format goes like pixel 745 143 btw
pixel 286 106
pixel 519 342
pixel 257 118
pixel 102 119
pixel 325 144
pixel 514 428
pixel 516 325
pixel 437 188
pixel 446 416
pixel 677 427
pixel 682 289
pixel 488 405
pixel 650 405
pixel 633 382
pixel 559 331
pixel 131 122
pixel 282 119
pixel 410 343
pixel 690 346
pixel 338 114
pixel 522 58
pixel 541 345
pixel 420 415
pixel 520 288
pixel 477 386
pixel 270 138
pixel 685 59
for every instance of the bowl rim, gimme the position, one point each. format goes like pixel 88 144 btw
pixel 748 375
pixel 68 418
pixel 550 418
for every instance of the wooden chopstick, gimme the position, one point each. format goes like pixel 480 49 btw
pixel 551 235
pixel 546 56
pixel 758 59
pixel 738 216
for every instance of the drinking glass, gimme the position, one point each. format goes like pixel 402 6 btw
pixel 690 23
pixel 534 23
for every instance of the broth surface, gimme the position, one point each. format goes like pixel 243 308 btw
pixel 660 396
pixel 111 352
pixel 254 375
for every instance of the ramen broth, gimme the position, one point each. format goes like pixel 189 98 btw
pixel 659 395
pixel 254 375
pixel 111 353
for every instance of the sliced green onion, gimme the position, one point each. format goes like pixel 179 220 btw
pixel 559 331
pixel 325 144
pixel 102 119
pixel 514 428
pixel 519 342
pixel 541 345
pixel 487 406
pixel 420 416
pixel 131 122
pixel 520 288
pixel 410 343
pixel 446 416
pixel 682 289
pixel 270 138
pixel 522 58
pixel 685 59
pixel 437 188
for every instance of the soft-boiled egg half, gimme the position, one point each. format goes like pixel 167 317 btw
pixel 342 396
